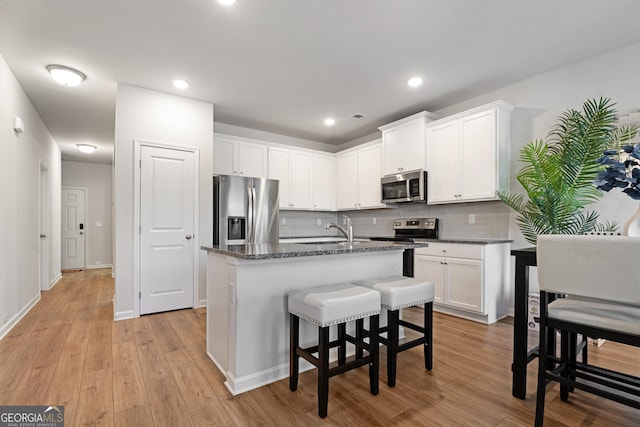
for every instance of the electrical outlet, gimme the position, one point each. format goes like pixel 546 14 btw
pixel 374 220
pixel 472 218
pixel 319 221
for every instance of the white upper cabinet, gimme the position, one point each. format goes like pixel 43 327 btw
pixel 358 178
pixel 468 155
pixel 403 143
pixel 294 170
pixel 324 182
pixel 236 157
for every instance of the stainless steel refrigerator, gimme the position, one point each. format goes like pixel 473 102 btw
pixel 245 210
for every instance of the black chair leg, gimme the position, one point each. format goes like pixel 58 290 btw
pixel 565 343
pixel 323 371
pixel 428 335
pixel 293 355
pixel 374 365
pixel 359 337
pixel 342 348
pixel 585 349
pixel 542 362
pixel 393 317
pixel 573 357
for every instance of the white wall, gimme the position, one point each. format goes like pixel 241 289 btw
pixel 22 158
pixel 96 178
pixel 157 117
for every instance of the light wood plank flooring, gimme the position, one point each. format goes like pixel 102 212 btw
pixel 153 371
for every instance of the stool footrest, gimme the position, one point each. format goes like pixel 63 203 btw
pixel 411 344
pixel 411 326
pixel 349 365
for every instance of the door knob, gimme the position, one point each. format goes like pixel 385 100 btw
pixel 189 236
pixel 42 236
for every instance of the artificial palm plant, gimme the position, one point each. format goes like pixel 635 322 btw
pixel 560 172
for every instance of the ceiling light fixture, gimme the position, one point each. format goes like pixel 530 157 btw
pixel 227 2
pixel 329 122
pixel 86 148
pixel 66 76
pixel 414 81
pixel 180 84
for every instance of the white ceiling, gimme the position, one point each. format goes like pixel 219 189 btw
pixel 284 65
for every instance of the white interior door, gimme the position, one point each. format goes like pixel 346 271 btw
pixel 44 230
pixel 167 211
pixel 73 228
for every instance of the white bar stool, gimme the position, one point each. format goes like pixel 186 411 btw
pixel 396 293
pixel 333 305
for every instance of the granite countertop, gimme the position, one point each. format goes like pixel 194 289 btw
pixel 461 240
pixel 289 250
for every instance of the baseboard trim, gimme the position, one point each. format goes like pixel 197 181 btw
pixel 4 330
pixel 201 303
pixel 122 315
pixel 55 281
pixel 96 266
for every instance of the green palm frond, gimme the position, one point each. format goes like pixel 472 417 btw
pixel 559 172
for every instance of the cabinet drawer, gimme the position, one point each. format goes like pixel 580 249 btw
pixel 452 250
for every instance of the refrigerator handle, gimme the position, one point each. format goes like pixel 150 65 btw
pixel 253 214
pixel 250 193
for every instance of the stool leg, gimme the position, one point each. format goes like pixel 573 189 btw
pixel 428 332
pixel 359 337
pixel 374 365
pixel 342 349
pixel 392 345
pixel 294 326
pixel 323 371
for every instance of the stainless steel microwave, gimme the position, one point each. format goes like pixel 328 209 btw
pixel 405 187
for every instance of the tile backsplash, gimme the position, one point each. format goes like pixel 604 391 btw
pixel 491 220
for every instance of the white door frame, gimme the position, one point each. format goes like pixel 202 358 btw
pixel 45 227
pixel 85 190
pixel 137 158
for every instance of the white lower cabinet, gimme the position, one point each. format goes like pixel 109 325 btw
pixel 470 280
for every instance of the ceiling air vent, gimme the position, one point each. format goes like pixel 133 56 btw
pixel 358 116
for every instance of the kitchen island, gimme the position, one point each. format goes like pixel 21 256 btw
pixel 247 288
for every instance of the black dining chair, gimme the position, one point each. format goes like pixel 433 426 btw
pixel 598 283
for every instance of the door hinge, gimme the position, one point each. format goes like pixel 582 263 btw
pixel 140 229
pixel 140 295
pixel 140 163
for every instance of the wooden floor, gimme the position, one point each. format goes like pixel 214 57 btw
pixel 153 371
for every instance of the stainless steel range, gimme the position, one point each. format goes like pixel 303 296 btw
pixel 412 230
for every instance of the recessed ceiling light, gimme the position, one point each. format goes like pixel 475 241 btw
pixel 329 121
pixel 66 76
pixel 414 81
pixel 227 2
pixel 180 84
pixel 86 148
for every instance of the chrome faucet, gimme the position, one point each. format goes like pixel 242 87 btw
pixel 347 233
